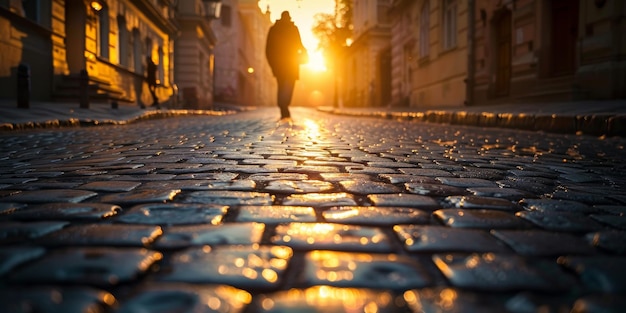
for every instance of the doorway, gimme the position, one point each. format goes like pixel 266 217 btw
pixel 564 14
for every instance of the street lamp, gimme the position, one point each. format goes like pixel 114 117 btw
pixel 213 8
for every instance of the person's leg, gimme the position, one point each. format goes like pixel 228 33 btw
pixel 285 93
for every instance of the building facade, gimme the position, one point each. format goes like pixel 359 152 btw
pixel 367 63
pixel 453 52
pixel 242 75
pixel 106 42
pixel 194 54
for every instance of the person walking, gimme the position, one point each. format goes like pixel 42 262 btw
pixel 152 81
pixel 285 53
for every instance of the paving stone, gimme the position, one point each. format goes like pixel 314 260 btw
pixel 229 198
pixel 406 178
pixel 67 211
pixel 52 184
pixel 361 270
pixel 140 196
pixel 298 186
pixel 561 221
pixel 110 186
pixel 245 267
pixel 426 172
pixel 433 190
pixel 104 235
pixel 48 299
pixel 501 272
pixel 426 238
pixel 50 195
pixel 200 185
pixel 600 303
pixel 498 192
pixel 553 205
pixel 365 187
pixel 320 199
pixel 337 177
pixel 186 298
pixel 320 236
pixel 323 299
pixel 173 214
pixel 619 210
pixel 247 169
pixel 208 176
pixel 12 256
pixel 329 162
pixel 526 184
pixel 265 177
pixel 484 219
pixel 451 300
pixel 91 266
pixel 311 169
pixel 481 173
pixel 601 273
pixel 9 207
pixel 527 302
pixel 376 216
pixel 390 164
pixel 198 235
pixel 275 214
pixel 534 173
pixel 487 203
pixel 543 243
pixel 618 222
pixel 20 231
pixel 609 240
pixel 404 200
pixel 585 197
pixel 466 182
pixel 369 170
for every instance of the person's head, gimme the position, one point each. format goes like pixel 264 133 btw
pixel 285 16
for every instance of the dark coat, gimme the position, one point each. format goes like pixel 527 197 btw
pixel 282 49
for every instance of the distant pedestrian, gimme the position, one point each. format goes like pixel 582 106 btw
pixel 285 53
pixel 152 81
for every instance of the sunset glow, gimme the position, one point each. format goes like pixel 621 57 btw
pixel 302 13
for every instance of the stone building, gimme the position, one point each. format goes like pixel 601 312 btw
pixel 108 41
pixel 511 51
pixel 242 75
pixel 366 65
pixel 194 53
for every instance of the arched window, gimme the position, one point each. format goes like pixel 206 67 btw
pixel 424 31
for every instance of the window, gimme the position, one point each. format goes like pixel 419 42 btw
pixel 449 24
pixel 102 31
pixel 123 41
pixel 424 31
pixel 226 16
pixel 31 9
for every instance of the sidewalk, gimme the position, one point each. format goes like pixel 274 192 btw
pixel 581 117
pixel 59 114
pixel 584 117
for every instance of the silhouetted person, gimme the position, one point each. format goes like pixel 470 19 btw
pixel 283 51
pixel 152 81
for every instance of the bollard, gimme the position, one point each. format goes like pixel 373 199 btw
pixel 84 89
pixel 23 86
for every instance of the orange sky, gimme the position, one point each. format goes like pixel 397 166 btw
pixel 302 13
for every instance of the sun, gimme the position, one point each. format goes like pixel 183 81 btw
pixel 316 62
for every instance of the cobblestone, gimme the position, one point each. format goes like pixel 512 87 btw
pixel 239 213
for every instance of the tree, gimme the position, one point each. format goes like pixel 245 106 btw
pixel 334 32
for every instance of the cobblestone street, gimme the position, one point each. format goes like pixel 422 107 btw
pixel 238 213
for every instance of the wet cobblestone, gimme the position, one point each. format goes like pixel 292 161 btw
pixel 240 214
